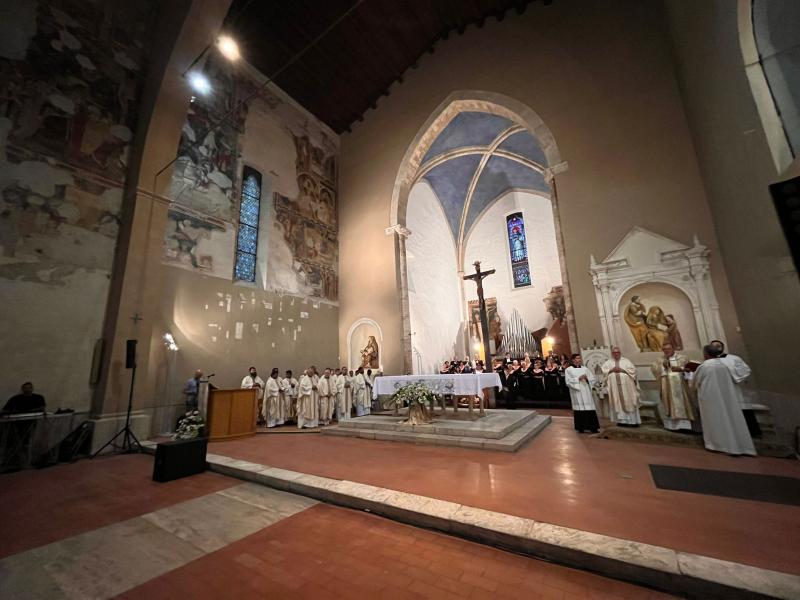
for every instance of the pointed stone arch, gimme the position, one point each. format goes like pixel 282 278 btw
pixel 455 103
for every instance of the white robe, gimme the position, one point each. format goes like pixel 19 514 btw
pixel 248 383
pixel 360 395
pixel 623 391
pixel 739 370
pixel 724 427
pixel 289 398
pixel 349 386
pixel 676 405
pixel 325 391
pixel 272 409
pixel 307 408
pixel 580 392
pixel 342 405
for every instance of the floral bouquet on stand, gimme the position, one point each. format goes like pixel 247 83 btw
pixel 417 396
pixel 192 425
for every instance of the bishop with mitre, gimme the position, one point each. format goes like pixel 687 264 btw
pixel 619 375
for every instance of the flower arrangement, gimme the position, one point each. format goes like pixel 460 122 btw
pixel 417 396
pixel 190 426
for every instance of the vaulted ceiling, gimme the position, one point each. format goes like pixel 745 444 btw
pixel 477 158
pixel 354 64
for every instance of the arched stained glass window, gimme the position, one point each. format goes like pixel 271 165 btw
pixel 518 248
pixel 247 238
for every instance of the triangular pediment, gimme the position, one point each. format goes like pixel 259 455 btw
pixel 641 246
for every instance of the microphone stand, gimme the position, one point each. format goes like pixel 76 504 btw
pixel 130 443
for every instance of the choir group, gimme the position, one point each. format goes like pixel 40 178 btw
pixel 533 379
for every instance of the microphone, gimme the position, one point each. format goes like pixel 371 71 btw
pixel 210 376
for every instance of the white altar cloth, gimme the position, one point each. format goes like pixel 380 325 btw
pixel 469 384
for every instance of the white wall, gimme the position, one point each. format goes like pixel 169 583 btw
pixel 434 293
pixel 488 243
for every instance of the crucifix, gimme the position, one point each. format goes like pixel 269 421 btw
pixel 478 277
pixel 136 318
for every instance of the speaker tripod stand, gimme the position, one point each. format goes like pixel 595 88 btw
pixel 130 443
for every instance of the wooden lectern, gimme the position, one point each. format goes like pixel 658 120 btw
pixel 231 413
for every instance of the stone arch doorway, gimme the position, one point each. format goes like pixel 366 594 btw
pixel 427 152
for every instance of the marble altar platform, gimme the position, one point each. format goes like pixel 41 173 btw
pixel 500 430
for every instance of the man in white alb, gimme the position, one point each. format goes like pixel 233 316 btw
pixel 342 413
pixel 669 372
pixel 307 408
pixel 349 381
pixel 724 427
pixel 623 388
pixel 252 380
pixel 273 412
pixel 360 398
pixel 325 390
pixel 290 396
pixel 740 371
pixel 579 380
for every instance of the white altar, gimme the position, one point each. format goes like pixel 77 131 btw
pixel 470 384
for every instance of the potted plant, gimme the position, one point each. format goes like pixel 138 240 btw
pixel 417 396
pixel 186 454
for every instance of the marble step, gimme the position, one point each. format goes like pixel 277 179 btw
pixel 496 424
pixel 512 442
pixel 672 571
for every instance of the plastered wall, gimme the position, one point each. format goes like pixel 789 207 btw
pixel 614 108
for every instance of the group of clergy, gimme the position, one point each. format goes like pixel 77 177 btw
pixel 715 384
pixel 313 400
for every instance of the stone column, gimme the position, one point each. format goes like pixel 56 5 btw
pixel 401 233
pixel 562 257
pixel 185 29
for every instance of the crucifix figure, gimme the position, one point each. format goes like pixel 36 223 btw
pixel 478 277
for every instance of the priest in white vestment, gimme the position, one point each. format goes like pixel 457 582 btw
pixel 307 408
pixel 349 383
pixel 252 380
pixel 619 376
pixel 740 371
pixel 724 427
pixel 579 380
pixel 675 401
pixel 369 380
pixel 360 398
pixel 325 391
pixel 290 386
pixel 342 408
pixel 272 403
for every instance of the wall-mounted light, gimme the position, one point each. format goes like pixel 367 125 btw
pixel 228 47
pixel 199 83
pixel 169 342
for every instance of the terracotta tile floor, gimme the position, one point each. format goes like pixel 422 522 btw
pixel 38 507
pixel 326 552
pixel 603 486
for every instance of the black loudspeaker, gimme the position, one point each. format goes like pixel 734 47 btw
pixel 179 458
pixel 130 354
pixel 786 196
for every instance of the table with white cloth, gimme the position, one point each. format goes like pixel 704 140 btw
pixel 469 385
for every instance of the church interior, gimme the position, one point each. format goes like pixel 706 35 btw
pixel 418 299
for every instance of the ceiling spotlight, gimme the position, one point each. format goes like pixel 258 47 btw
pixel 199 83
pixel 228 47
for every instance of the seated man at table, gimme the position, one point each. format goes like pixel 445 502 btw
pixel 26 402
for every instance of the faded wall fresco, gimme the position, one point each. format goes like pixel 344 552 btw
pixel 296 155
pixel 70 75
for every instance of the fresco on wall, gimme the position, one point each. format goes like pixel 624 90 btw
pixel 70 78
pixel 301 252
pixel 68 93
pixel 495 323
pixel 307 224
